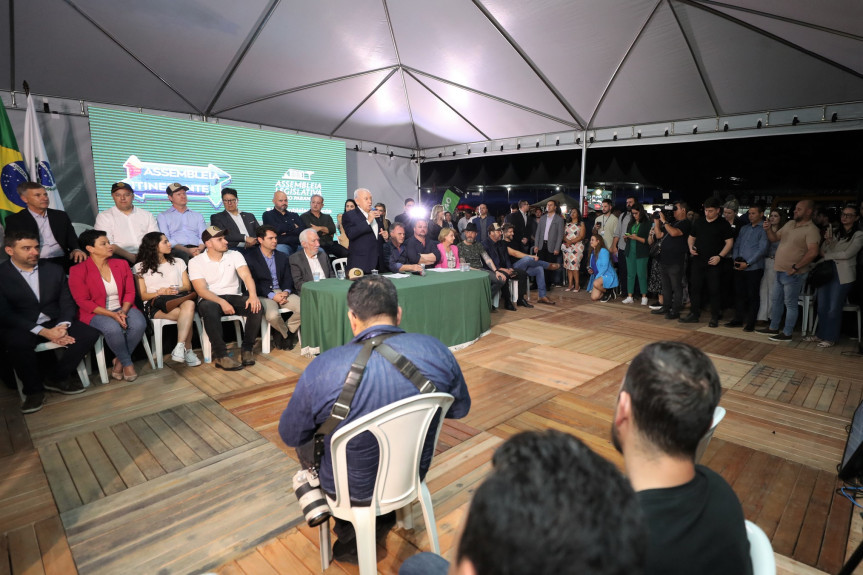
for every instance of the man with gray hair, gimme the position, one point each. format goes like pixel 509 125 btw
pixel 309 261
pixel 365 230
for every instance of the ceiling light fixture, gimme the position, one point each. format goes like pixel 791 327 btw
pixel 725 127
pixel 834 117
pixel 758 125
pixel 694 129
pixel 795 121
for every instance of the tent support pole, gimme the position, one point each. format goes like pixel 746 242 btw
pixel 581 191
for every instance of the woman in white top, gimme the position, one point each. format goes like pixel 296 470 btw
pixel 159 273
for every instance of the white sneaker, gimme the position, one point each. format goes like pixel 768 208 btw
pixel 192 359
pixel 179 353
pixel 643 301
pixel 627 300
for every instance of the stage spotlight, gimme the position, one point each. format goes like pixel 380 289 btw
pixel 578 141
pixel 758 125
pixel 453 153
pixel 694 129
pixel 834 117
pixel 591 139
pixel 666 132
pixel 391 154
pixel 484 149
pixel 518 146
pixel 557 142
pixel 795 121
pixel 440 154
pixel 638 135
pixel 356 148
pixel 615 137
pixel 468 151
pixel 501 148
pixel 537 143
pixel 725 127
pixel 376 149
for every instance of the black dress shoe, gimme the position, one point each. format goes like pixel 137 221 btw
pixel 749 328
pixel 691 318
pixel 508 305
pixel 713 323
pixel 523 303
pixel 660 311
pixel 672 316
pixel 278 340
pixel 292 340
pixel 733 323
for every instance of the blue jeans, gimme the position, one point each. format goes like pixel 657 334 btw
pixel 831 300
pixel 122 341
pixel 425 563
pixel 786 290
pixel 285 249
pixel 535 269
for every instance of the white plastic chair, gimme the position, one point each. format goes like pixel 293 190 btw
pixel 207 347
pixel 266 333
pixel 760 550
pixel 848 307
pixel 48 346
pixel 158 324
pixel 400 429
pixel 806 300
pixel 340 264
pixel 718 415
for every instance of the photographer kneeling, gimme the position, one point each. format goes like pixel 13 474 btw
pixel 373 311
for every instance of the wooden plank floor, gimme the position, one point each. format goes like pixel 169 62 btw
pixel 183 470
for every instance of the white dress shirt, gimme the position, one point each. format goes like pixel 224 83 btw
pixel 126 230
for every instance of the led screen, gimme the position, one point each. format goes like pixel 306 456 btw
pixel 150 152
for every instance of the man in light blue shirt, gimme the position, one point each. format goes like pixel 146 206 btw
pixel 749 251
pixel 182 226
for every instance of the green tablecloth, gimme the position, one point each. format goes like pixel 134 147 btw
pixel 451 306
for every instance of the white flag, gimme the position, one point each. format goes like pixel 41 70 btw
pixel 35 157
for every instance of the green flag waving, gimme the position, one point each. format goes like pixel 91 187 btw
pixel 450 201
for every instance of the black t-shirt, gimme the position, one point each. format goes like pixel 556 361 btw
pixel 675 248
pixel 695 528
pixel 710 236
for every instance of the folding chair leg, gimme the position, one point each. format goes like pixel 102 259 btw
pixel 160 353
pixel 404 517
pixel 99 352
pixel 364 525
pixel 428 515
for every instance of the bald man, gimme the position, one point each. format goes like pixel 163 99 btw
pixel 288 224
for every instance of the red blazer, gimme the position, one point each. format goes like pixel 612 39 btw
pixel 85 283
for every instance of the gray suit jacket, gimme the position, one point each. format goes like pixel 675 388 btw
pixel 301 272
pixel 555 234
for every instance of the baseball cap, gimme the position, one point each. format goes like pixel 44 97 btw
pixel 213 232
pixel 175 187
pixel 121 186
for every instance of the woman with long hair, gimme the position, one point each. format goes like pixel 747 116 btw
pixel 573 250
pixel 436 221
pixel 448 252
pixel 777 219
pixel 839 250
pixel 343 237
pixel 603 278
pixel 160 274
pixel 637 253
pixel 104 290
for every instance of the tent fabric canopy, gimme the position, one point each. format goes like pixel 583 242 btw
pixel 420 75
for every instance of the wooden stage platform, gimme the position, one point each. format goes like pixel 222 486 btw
pixel 182 471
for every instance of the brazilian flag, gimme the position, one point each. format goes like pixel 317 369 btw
pixel 12 170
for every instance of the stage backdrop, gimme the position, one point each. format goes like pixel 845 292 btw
pixel 150 152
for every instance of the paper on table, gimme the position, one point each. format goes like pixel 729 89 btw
pixel 397 275
pixel 443 270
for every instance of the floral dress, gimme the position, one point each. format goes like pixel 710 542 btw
pixel 572 254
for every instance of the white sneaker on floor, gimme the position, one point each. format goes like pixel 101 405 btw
pixel 179 353
pixel 192 359
pixel 627 300
pixel 643 301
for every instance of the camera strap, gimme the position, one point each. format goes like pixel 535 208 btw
pixel 342 406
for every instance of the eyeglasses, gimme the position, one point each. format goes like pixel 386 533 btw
pixel 848 214
pixel 229 201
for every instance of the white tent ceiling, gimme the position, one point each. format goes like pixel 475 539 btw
pixel 425 74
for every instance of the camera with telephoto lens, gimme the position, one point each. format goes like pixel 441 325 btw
pixel 307 488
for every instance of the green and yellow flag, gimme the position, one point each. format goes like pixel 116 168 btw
pixel 12 170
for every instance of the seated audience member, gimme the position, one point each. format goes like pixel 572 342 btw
pixel 710 240
pixel 406 218
pixel 419 249
pixel 216 276
pixel 750 247
pixel 324 225
pixel 57 240
pixel 271 272
pixel 240 226
pixel 364 229
pixel 395 248
pixel 531 265
pixel 288 225
pixel 104 289
pixel 839 250
pixel 125 223
pixel 343 237
pixel 373 310
pixel 799 240
pixel 36 307
pixel 473 253
pixel 448 252
pixel 532 477
pixel 501 265
pixel 309 261
pixel 776 219
pixel 603 278
pixel 182 226
pixel 161 274
pixel 665 406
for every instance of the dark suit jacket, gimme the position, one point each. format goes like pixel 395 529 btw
pixel 261 273
pixel 301 272
pixel 19 308
pixel 235 235
pixel 364 250
pixel 61 227
pixel 519 227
